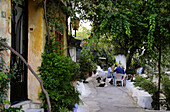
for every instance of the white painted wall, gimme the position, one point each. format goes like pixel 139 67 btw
pixel 122 59
pixel 72 51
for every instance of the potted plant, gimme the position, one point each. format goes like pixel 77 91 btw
pixel 91 67
pixel 94 68
pixel 130 72
pixel 84 67
pixel 86 64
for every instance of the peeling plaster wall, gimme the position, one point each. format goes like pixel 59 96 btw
pixel 36 42
pixel 5 25
pixel 5 29
pixel 65 36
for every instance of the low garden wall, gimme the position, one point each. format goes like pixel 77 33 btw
pixel 144 99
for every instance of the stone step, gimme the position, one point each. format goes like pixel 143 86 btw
pixel 34 110
pixel 27 105
pixel 34 105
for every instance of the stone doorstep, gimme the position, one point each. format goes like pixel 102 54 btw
pixel 34 110
pixel 146 110
pixel 25 104
pixel 28 106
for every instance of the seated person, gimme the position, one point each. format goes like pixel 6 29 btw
pixel 110 72
pixel 119 70
pixel 140 70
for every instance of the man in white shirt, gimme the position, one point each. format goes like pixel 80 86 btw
pixel 110 73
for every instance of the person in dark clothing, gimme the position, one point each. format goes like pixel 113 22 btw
pixel 119 70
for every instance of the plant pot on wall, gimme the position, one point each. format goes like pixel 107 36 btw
pixel 94 71
pixel 131 78
pixel 87 75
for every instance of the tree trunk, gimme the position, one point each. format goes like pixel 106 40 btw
pixel 29 67
pixel 129 59
pixel 159 73
pixel 46 21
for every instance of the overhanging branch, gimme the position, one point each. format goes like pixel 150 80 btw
pixel 29 67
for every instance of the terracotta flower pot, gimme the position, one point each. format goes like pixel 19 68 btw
pixel 90 73
pixel 87 75
pixel 131 78
pixel 94 71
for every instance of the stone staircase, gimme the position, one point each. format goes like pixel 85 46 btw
pixel 30 106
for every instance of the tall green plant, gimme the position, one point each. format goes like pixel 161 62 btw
pixel 6 74
pixel 86 63
pixel 58 72
pixel 4 79
pixel 148 86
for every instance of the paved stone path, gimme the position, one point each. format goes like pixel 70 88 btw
pixel 108 99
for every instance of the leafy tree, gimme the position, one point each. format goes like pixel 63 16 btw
pixel 135 23
pixel 58 73
pixel 83 33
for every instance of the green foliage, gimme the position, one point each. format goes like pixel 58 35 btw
pixel 131 70
pixel 64 110
pixel 102 48
pixel 58 72
pixel 151 88
pixel 148 86
pixel 83 33
pixel 55 16
pixel 17 2
pixel 13 109
pixel 129 25
pixel 5 77
pixel 86 63
pixel 166 90
pixel 4 81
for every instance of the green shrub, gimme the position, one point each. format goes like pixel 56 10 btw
pixel 3 87
pixel 86 63
pixel 58 72
pixel 5 76
pixel 131 70
pixel 13 109
pixel 148 86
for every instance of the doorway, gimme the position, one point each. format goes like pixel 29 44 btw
pixel 19 42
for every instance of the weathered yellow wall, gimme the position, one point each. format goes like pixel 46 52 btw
pixel 5 25
pixel 65 35
pixel 5 28
pixel 36 42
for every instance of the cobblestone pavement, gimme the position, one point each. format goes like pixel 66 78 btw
pixel 108 99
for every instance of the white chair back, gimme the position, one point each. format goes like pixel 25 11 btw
pixel 119 77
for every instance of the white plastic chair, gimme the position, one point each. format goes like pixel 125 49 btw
pixel 109 79
pixel 119 77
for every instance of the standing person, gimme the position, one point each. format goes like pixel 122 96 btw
pixel 140 70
